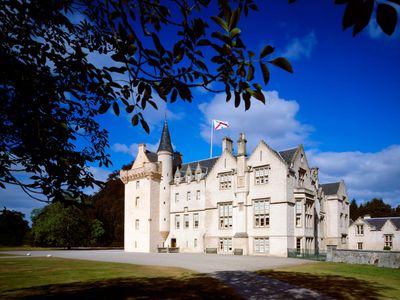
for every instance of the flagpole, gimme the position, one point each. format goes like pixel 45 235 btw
pixel 212 132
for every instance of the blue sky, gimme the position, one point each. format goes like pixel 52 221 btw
pixel 341 103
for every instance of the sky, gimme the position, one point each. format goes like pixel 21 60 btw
pixel 341 103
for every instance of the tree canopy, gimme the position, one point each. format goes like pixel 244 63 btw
pixel 375 208
pixel 13 227
pixel 51 92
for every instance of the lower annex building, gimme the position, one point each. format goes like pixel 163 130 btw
pixel 262 202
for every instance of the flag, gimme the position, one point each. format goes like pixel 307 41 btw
pixel 218 124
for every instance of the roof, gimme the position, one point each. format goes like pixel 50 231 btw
pixel 330 188
pixel 287 155
pixel 165 142
pixel 153 157
pixel 379 222
pixel 206 165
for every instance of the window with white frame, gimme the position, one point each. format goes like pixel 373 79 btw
pixel 261 174
pixel 225 244
pixel 225 215
pixel 176 197
pixel 299 212
pixel 186 221
pixel 177 221
pixel 188 196
pixel 261 213
pixel 389 240
pixel 309 215
pixel 359 246
pixel 261 245
pixel 137 224
pixel 136 201
pixel 195 220
pixel 309 243
pixel 360 229
pixel 302 174
pixel 225 181
pixel 197 195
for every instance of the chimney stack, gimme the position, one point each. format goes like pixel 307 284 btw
pixel 227 144
pixel 241 145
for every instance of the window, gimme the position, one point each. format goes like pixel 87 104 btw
pixel 195 243
pixel 188 196
pixel 309 215
pixel 261 245
pixel 389 240
pixel 302 174
pixel 196 220
pixel 137 224
pixel 225 181
pixel 137 202
pixel 177 221
pixel 176 197
pixel 344 238
pixel 186 220
pixel 137 184
pixel 299 212
pixel 309 243
pixel 298 245
pixel 225 215
pixel 225 244
pixel 197 195
pixel 261 175
pixel 359 246
pixel 359 229
pixel 261 213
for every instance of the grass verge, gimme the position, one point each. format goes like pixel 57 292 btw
pixel 342 281
pixel 57 278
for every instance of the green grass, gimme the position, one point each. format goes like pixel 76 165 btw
pixel 35 278
pixel 342 281
pixel 8 254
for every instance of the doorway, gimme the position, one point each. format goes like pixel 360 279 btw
pixel 173 243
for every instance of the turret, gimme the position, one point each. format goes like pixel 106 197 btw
pixel 165 157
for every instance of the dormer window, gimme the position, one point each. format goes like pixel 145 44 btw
pixel 225 181
pixel 360 229
pixel 302 174
pixel 261 174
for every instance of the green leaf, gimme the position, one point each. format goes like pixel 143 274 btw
pixel 258 94
pixel 228 92
pixel 233 22
pixel 130 108
pixel 203 42
pixel 174 94
pixel 220 22
pixel 265 72
pixel 135 120
pixel 250 74
pixel 282 63
pixel 386 17
pixel 116 108
pixel 104 108
pixel 237 99
pixel 234 32
pixel 157 43
pixel 145 125
pixel 266 51
pixel 246 97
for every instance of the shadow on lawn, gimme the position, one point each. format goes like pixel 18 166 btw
pixel 331 285
pixel 196 287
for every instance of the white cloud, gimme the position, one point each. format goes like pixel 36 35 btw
pixel 99 173
pixel 366 174
pixel 299 48
pixel 275 122
pixel 133 148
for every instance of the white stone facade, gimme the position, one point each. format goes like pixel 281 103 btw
pixel 263 203
pixel 368 233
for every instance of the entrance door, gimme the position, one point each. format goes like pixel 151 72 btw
pixel 173 243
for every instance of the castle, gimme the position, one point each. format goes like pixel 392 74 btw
pixel 263 202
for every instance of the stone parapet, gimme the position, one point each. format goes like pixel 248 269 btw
pixel 387 259
pixel 151 170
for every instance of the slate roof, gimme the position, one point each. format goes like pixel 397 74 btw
pixel 379 222
pixel 287 155
pixel 330 188
pixel 151 156
pixel 205 165
pixel 165 142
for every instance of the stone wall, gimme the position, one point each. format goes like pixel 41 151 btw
pixel 387 259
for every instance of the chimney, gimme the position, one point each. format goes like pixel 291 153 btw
pixel 241 145
pixel 142 148
pixel 227 144
pixel 367 217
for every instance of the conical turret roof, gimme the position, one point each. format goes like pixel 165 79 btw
pixel 165 142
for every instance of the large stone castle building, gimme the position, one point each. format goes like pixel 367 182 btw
pixel 259 202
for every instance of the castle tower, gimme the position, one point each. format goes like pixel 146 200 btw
pixel 165 156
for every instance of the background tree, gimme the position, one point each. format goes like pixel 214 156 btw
pixel 58 225
pixel 50 92
pixel 13 228
pixel 375 208
pixel 354 213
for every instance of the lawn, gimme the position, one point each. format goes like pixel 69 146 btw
pixel 57 278
pixel 342 281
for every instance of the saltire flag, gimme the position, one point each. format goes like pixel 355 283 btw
pixel 218 124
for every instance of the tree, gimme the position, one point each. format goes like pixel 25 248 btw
pixel 64 226
pixel 354 213
pixel 13 227
pixel 51 93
